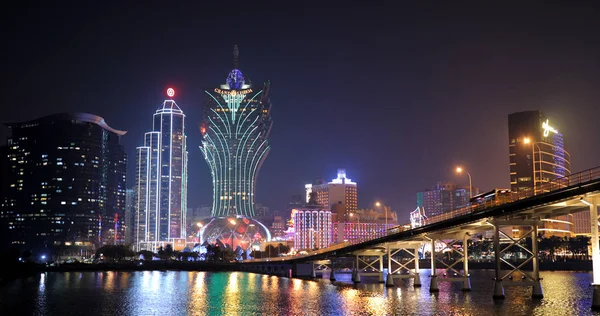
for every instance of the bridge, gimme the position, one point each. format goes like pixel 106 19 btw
pixel 398 249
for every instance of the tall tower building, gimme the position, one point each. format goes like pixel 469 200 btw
pixel 235 131
pixel 537 155
pixel 161 179
pixel 340 190
pixel 64 185
pixel 536 152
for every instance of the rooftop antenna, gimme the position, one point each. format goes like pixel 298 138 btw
pixel 236 54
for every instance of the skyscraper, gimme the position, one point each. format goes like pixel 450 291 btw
pixel 339 190
pixel 537 155
pixel 236 126
pixel 161 179
pixel 130 216
pixel 64 177
pixel 536 152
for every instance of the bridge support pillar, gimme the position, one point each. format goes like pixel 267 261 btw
pixel 537 285
pixel 381 279
pixel 417 282
pixel 498 288
pixel 332 274
pixel 466 276
pixel 355 276
pixel 595 253
pixel 390 271
pixel 433 284
pixel 356 272
pixel 314 273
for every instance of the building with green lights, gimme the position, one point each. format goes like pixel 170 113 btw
pixel 235 132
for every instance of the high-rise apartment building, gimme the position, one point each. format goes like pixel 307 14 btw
pixel 444 197
pixel 339 190
pixel 235 132
pixel 161 179
pixel 64 185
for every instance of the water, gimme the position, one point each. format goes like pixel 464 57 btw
pixel 168 293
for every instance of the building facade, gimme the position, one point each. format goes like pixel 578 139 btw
pixel 161 180
pixel 339 190
pixel 235 131
pixel 313 228
pixel 362 225
pixel 65 177
pixel 537 155
pixel 536 152
pixel 130 217
pixel 444 197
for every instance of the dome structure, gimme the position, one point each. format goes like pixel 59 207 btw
pixel 234 231
pixel 235 79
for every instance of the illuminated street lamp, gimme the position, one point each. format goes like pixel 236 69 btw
pixel 460 170
pixel 528 141
pixel 385 208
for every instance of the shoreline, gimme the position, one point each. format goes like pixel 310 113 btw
pixel 27 270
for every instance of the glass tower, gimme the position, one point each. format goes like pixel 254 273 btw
pixel 235 130
pixel 161 180
pixel 64 185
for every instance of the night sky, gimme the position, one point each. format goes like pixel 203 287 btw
pixel 397 95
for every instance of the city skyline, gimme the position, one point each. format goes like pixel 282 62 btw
pixel 439 78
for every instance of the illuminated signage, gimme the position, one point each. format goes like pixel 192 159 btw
pixel 171 92
pixel 547 129
pixel 232 92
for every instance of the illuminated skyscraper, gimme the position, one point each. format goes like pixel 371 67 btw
pixel 161 179
pixel 235 130
pixel 536 152
pixel 64 177
pixel 340 190
pixel 537 155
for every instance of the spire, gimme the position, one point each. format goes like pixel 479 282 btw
pixel 236 54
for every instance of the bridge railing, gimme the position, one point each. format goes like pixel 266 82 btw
pixel 552 185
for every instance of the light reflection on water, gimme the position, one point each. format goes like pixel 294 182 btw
pixel 238 293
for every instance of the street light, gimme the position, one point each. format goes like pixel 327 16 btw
pixel 528 141
pixel 460 170
pixel 385 208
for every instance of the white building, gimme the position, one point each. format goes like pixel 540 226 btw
pixel 312 228
pixel 161 180
pixel 340 190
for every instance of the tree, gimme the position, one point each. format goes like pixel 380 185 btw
pixel 147 254
pixel 114 253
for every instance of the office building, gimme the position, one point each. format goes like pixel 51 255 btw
pixel 235 131
pixel 64 185
pixel 161 179
pixel 444 197
pixel 339 190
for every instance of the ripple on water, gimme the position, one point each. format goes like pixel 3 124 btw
pixel 237 293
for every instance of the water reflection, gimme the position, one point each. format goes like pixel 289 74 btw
pixel 207 293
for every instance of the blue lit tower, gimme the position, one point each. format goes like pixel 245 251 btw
pixel 161 179
pixel 235 130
